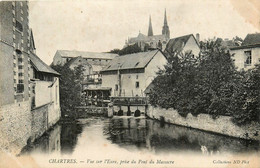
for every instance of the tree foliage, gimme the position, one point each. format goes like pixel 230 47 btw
pixel 208 84
pixel 70 88
pixel 127 50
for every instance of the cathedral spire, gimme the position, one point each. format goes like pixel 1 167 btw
pixel 165 30
pixel 150 29
pixel 165 18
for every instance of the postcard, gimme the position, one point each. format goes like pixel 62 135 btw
pixel 117 83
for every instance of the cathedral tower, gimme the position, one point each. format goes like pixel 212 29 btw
pixel 150 29
pixel 165 30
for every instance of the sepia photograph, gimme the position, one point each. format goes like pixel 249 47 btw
pixel 130 84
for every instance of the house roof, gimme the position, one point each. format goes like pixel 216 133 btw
pixel 177 44
pixel 40 66
pixel 131 61
pixel 84 54
pixel 251 39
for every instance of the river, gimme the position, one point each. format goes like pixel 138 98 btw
pixel 97 137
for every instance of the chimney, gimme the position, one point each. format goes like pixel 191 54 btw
pixel 198 37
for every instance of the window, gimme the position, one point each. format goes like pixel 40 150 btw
pixel 20 67
pixel 20 81
pixel 20 60
pixel 137 84
pixel 136 76
pixel 14 65
pixel 248 60
pixel 116 87
pixel 20 74
pixel 20 88
pixel 14 73
pixel 18 26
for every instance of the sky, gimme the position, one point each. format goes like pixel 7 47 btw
pixel 103 25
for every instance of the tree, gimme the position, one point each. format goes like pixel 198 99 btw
pixel 127 50
pixel 246 100
pixel 197 84
pixel 115 51
pixel 70 88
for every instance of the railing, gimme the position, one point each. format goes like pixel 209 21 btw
pixel 134 101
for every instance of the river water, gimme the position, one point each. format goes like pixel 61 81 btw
pixel 97 137
pixel 138 134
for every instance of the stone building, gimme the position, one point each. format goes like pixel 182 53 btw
pixel 93 62
pixel 15 115
pixel 63 56
pixel 129 75
pixel 151 40
pixel 248 54
pixel 25 83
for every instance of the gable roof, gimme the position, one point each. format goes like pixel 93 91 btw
pixel 40 66
pixel 251 39
pixel 177 44
pixel 131 61
pixel 84 54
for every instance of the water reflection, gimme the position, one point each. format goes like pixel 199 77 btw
pixel 131 133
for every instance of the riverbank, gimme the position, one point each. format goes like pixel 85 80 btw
pixel 222 125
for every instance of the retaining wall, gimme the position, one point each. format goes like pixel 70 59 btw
pixel 222 125
pixel 15 126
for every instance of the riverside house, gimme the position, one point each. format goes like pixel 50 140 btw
pixel 248 54
pixel 29 101
pixel 129 75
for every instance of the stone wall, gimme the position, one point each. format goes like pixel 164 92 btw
pixel 43 117
pixel 222 125
pixel 39 121
pixel 53 114
pixel 15 126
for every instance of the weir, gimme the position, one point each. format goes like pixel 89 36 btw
pixel 118 106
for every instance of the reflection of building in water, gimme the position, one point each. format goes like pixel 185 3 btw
pixel 69 134
pixel 48 143
pixel 54 140
pixel 161 138
pixel 129 131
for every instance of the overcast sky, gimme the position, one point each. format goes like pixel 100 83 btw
pixel 101 26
